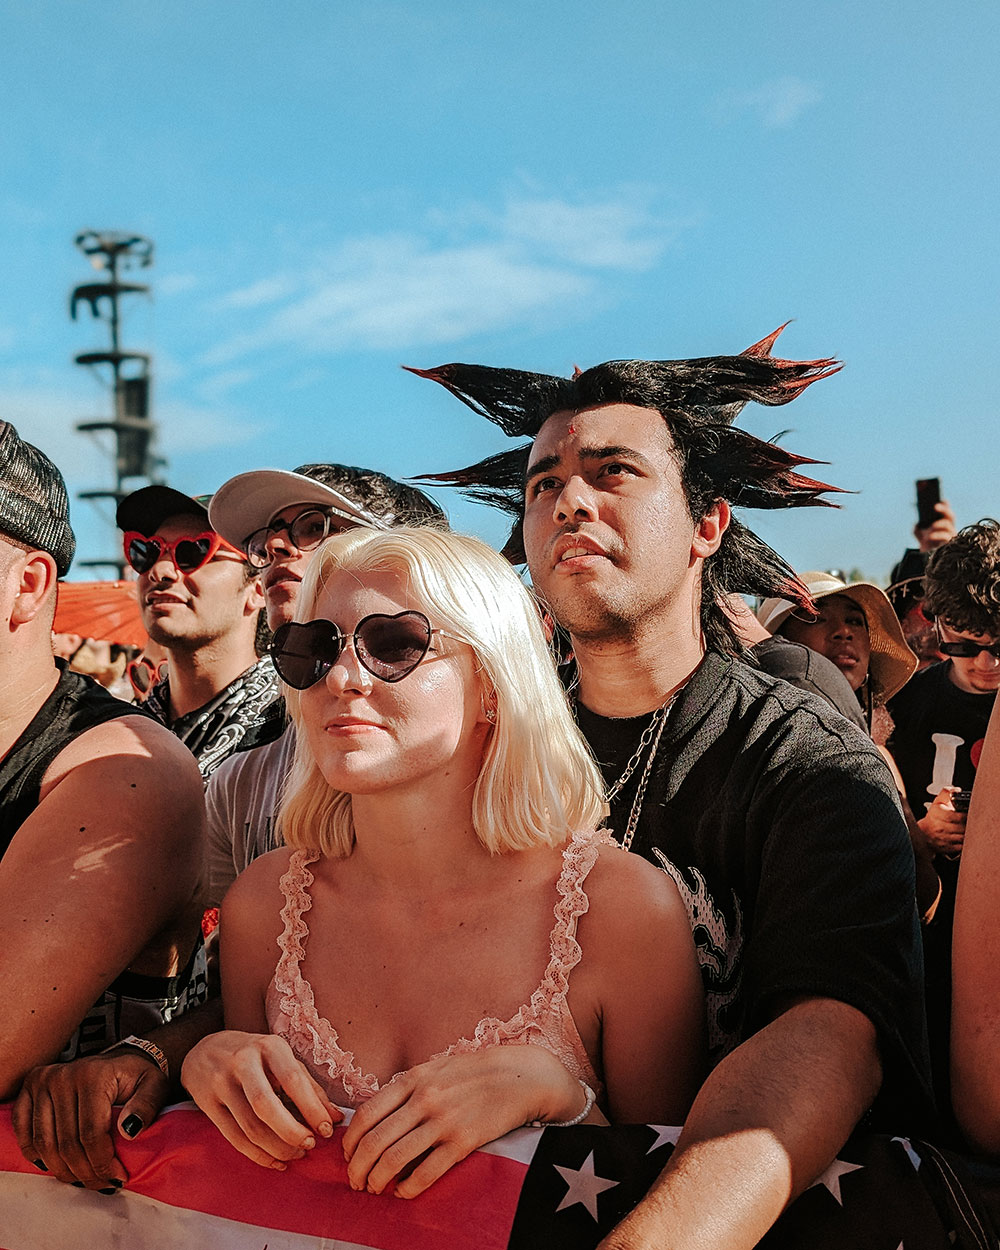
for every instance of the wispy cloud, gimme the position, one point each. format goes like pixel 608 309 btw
pixel 258 294
pixel 177 283
pixel 777 104
pixel 217 386
pixel 608 235
pixel 469 271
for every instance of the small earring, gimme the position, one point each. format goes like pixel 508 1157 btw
pixel 491 714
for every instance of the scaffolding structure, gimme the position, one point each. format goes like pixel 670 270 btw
pixel 133 454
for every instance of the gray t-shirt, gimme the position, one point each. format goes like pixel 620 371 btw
pixel 242 799
pixel 809 670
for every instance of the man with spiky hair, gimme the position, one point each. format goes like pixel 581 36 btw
pixel 777 820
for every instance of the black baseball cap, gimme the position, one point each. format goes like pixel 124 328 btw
pixel 34 505
pixel 146 509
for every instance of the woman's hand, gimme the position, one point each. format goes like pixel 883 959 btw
pixel 439 1112
pixel 240 1080
pixel 943 827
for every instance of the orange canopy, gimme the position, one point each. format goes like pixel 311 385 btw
pixel 108 611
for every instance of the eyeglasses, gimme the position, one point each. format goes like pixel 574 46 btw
pixel 305 533
pixel 188 553
pixel 389 647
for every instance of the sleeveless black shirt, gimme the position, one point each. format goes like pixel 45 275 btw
pixel 77 704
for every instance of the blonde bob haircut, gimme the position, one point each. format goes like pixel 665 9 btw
pixel 538 783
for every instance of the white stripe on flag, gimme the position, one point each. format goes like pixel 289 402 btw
pixel 37 1214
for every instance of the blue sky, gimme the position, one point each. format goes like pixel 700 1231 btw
pixel 335 190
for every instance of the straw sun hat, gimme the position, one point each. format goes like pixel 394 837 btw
pixel 892 662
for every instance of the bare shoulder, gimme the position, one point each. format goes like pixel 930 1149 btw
pixel 630 896
pixel 259 884
pixel 251 919
pixel 129 778
pixel 128 742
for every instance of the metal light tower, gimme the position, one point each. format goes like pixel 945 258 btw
pixel 134 431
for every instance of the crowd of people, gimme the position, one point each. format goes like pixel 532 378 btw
pixel 617 849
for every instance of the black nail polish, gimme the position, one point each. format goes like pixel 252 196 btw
pixel 39 1164
pixel 78 1185
pixel 116 1182
pixel 132 1125
pixel 107 1191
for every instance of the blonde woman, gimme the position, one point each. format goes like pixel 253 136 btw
pixel 447 944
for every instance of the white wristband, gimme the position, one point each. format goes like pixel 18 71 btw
pixel 591 1098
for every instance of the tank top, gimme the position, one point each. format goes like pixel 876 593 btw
pixel 133 1002
pixel 77 704
pixel 544 1020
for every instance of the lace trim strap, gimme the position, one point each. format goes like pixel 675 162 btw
pixel 547 1007
pixel 565 951
pixel 295 994
pixel 544 1012
pixel 294 885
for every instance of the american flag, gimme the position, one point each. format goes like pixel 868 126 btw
pixel 533 1190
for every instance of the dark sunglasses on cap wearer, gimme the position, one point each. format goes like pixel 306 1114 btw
pixel 965 648
pixel 305 533
pixel 188 553
pixel 389 647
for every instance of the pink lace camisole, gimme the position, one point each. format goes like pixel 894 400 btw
pixel 544 1020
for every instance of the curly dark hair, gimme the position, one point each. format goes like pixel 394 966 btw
pixel 963 580
pixel 394 502
pixel 698 400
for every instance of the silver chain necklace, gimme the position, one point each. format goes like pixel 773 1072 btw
pixel 658 717
pixel 650 737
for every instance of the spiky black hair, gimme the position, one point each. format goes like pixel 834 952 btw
pixel 709 388
pixel 698 399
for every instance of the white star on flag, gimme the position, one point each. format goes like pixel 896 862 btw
pixel 663 1136
pixel 584 1186
pixel 832 1176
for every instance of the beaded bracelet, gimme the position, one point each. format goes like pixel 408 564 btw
pixel 591 1098
pixel 147 1047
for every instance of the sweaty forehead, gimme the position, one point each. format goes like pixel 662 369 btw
pixel 619 426
pixel 365 590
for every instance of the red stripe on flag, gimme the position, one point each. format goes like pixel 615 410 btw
pixel 183 1161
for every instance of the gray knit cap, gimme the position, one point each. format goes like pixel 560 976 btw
pixel 34 507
